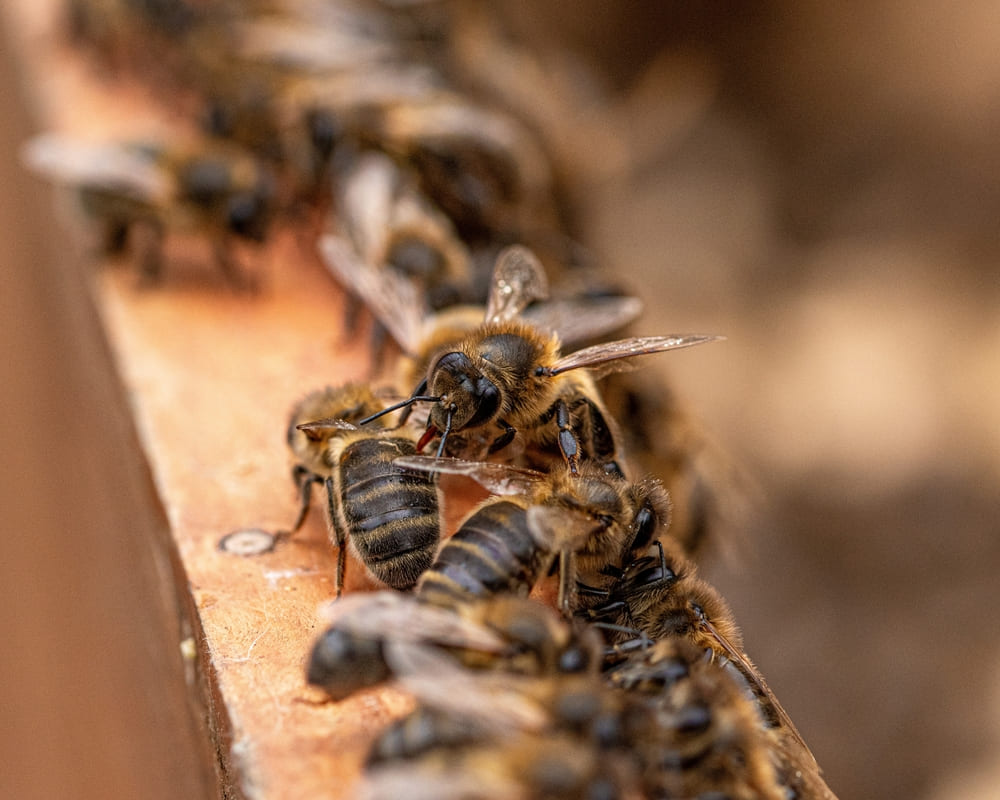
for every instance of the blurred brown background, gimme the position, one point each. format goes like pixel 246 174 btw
pixel 820 183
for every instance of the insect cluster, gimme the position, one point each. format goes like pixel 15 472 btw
pixel 439 213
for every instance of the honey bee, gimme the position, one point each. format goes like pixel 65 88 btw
pixel 392 225
pixel 485 171
pixel 377 636
pixel 388 516
pixel 549 766
pixel 213 189
pixel 508 543
pixel 701 735
pixel 466 716
pixel 509 375
pixel 660 597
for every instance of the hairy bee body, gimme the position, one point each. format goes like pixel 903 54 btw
pixel 208 188
pixel 587 521
pixel 701 734
pixel 388 516
pixel 660 599
pixel 492 552
pixel 419 732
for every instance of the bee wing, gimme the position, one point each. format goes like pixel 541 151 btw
pixel 110 166
pixel 518 280
pixel 601 354
pixel 319 48
pixel 496 701
pixel 577 320
pixel 395 301
pixel 327 423
pixel 762 692
pixel 502 479
pixel 403 618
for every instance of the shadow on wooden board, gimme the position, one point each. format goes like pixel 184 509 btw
pixel 93 702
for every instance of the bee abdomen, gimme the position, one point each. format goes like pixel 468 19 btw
pixel 392 514
pixel 422 731
pixel 493 552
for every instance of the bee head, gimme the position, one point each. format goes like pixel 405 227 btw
pixel 466 396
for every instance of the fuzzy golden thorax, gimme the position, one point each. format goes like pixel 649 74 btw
pixel 493 375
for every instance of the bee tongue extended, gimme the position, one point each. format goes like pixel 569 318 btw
pixel 429 434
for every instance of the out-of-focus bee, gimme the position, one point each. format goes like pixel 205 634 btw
pixel 134 33
pixel 703 736
pixel 498 712
pixel 508 543
pixel 392 225
pixel 388 516
pixel 509 375
pixel 394 231
pixel 374 637
pixel 483 168
pixel 660 597
pixel 209 188
pixel 526 767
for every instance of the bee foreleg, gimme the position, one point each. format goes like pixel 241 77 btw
pixel 232 271
pixel 505 438
pixel 303 480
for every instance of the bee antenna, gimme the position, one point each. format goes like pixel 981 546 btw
pixel 447 430
pixel 402 404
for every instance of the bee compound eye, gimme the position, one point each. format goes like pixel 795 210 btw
pixel 487 398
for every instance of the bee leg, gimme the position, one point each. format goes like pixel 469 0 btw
pixel 303 480
pixel 505 438
pixel 232 271
pixel 340 538
pixel 567 569
pixel 150 254
pixel 115 236
pixel 591 591
pixel 594 433
pixel 568 444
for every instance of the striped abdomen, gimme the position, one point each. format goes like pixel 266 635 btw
pixel 390 514
pixel 492 553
